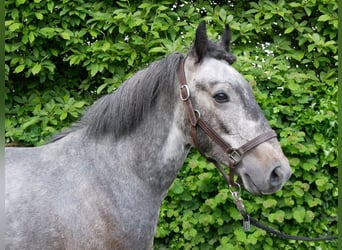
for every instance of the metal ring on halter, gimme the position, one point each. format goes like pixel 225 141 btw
pixel 237 185
pixel 186 87
pixel 197 113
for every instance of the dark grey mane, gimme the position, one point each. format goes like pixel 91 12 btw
pixel 120 112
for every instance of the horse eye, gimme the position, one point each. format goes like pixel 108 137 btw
pixel 221 97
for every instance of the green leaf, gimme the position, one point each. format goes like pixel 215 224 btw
pixel 31 122
pixel 252 239
pixel 122 28
pixel 189 234
pixel 268 16
pixel 50 6
pixel 132 58
pixel 299 55
pixel 145 6
pixel 39 16
pixel 101 88
pixel 20 2
pixel 321 183
pixel 240 235
pixel 295 5
pixel 309 216
pixel 144 28
pixel 324 18
pixel 63 116
pixel 19 68
pixel 79 104
pixel 94 68
pixel 308 166
pixel 157 50
pixel 316 63
pixel 294 161
pixel 293 86
pixel 205 219
pixel 54 52
pixel 308 11
pixel 15 26
pixel 36 68
pixel 65 35
pixel 106 46
pixel 223 14
pixel 298 191
pixel 31 37
pixel 298 213
pixel 221 197
pixel 269 203
pixel 47 30
pixel 177 187
pixel 289 30
pixel 75 59
pixel 49 66
pixel 278 216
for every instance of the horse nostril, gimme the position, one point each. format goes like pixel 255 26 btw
pixel 276 177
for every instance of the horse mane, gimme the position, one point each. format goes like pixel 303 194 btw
pixel 118 113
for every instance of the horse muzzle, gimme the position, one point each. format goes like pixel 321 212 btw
pixel 260 179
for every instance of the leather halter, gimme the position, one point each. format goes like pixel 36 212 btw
pixel 234 155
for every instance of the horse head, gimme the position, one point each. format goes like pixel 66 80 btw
pixel 225 102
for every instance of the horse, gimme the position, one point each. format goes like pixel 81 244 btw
pixel 100 183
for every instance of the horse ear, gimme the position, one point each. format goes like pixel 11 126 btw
pixel 226 38
pixel 225 44
pixel 201 42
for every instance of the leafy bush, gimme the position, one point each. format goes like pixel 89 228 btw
pixel 62 55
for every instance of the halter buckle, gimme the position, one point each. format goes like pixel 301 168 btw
pixel 235 156
pixel 184 95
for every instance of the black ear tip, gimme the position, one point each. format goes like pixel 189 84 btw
pixel 201 27
pixel 201 42
pixel 202 24
pixel 227 31
pixel 226 38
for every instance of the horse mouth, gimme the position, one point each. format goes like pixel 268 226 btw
pixel 250 185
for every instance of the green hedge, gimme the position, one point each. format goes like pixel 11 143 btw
pixel 62 55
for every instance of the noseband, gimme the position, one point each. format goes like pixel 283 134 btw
pixel 234 154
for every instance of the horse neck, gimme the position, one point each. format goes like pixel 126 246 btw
pixel 155 151
pixel 162 149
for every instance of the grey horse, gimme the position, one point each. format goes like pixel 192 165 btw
pixel 100 183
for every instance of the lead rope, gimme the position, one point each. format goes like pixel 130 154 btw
pixel 248 220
